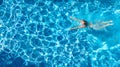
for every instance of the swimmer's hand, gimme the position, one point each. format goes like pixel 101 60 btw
pixel 72 28
pixel 71 17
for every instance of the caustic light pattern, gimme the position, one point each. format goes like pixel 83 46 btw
pixel 34 33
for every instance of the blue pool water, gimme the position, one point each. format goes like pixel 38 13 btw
pixel 34 33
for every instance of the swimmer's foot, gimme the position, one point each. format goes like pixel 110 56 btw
pixel 110 21
pixel 109 24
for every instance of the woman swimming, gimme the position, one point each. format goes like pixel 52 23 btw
pixel 96 26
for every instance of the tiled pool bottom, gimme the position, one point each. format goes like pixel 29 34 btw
pixel 35 34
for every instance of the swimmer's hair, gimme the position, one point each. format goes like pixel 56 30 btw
pixel 85 21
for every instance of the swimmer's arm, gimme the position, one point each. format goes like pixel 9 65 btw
pixel 78 27
pixel 75 19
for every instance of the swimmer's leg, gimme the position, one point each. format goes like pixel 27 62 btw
pixel 105 25
pixel 107 22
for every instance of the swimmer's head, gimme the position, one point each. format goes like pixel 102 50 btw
pixel 83 21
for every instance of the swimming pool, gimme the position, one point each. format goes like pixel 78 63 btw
pixel 34 33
